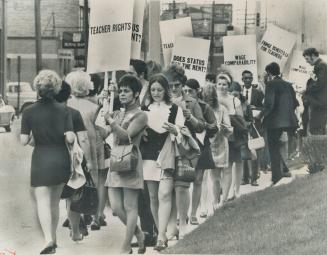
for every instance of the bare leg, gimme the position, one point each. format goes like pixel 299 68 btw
pixel 43 199
pixel 55 200
pixel 153 187
pixel 183 203
pixel 226 182
pixel 131 208
pixel 165 204
pixel 197 190
pixel 117 203
pixel 204 194
pixel 172 223
pixel 216 184
pixel 237 173
pixel 74 219
pixel 47 199
pixel 102 192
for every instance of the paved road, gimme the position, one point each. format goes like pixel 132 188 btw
pixel 19 227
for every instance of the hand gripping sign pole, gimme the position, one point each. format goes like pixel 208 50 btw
pixel 112 93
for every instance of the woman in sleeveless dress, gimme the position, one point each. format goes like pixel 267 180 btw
pixel 127 126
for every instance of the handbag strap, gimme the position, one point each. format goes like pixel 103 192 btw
pixel 121 123
pixel 256 130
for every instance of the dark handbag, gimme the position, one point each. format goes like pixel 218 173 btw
pixel 245 152
pixel 107 150
pixel 185 171
pixel 124 158
pixel 85 200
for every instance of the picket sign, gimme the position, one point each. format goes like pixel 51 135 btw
pixel 110 33
pixel 276 46
pixel 240 53
pixel 169 30
pixel 192 54
pixel 137 31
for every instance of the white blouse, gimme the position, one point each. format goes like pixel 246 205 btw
pixel 158 114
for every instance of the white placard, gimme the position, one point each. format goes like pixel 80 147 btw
pixel 192 54
pixel 171 28
pixel 110 34
pixel 299 70
pixel 137 30
pixel 275 46
pixel 240 53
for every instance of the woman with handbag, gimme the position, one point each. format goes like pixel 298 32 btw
pixel 221 174
pixel 239 136
pixel 49 125
pixel 159 133
pixel 125 177
pixel 195 123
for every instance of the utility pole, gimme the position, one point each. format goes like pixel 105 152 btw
pixel 246 14
pixel 3 50
pixel 212 42
pixel 86 29
pixel 174 8
pixel 38 43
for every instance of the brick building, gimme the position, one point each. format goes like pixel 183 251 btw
pixel 56 17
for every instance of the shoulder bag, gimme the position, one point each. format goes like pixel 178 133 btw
pixel 124 158
pixel 256 143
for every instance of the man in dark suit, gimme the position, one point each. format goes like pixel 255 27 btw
pixel 254 97
pixel 278 116
pixel 315 95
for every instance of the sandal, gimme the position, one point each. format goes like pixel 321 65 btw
pixel 194 220
pixel 50 249
pixel 161 245
pixel 95 225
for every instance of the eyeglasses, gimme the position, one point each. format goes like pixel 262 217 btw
pixel 188 91
pixel 175 85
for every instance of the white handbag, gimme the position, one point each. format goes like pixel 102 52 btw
pixel 256 143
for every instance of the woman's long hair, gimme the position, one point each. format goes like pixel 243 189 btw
pixel 161 79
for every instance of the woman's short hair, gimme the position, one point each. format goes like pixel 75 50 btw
pixel 175 72
pixel 209 94
pixel 162 80
pixel 224 76
pixel 211 77
pixel 80 83
pixel 64 92
pixel 130 81
pixel 47 83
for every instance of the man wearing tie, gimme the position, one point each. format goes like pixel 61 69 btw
pixel 254 97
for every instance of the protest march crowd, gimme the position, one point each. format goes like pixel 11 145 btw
pixel 167 133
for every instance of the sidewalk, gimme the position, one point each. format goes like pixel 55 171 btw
pixel 108 239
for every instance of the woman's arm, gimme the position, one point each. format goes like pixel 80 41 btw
pixel 137 125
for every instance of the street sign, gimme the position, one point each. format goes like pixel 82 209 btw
pixel 65 54
pixel 73 40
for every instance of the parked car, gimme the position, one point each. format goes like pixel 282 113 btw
pixel 27 95
pixel 7 116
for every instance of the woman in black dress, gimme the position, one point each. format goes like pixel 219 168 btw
pixel 48 126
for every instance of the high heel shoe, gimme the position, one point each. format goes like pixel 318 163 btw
pixel 176 234
pixel 161 245
pixel 50 249
pixel 76 239
pixel 141 241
